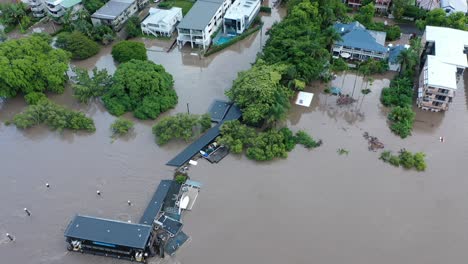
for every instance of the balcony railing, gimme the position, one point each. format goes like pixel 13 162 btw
pixel 438 91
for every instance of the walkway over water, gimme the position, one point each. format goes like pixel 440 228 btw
pixel 219 111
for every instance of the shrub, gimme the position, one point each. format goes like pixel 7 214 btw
pixel 393 33
pixel 80 46
pixel 406 159
pixel 402 119
pixel 142 87
pixel 121 127
pixel 103 34
pixel 165 5
pixel 414 12
pixel 181 126
pixel 305 139
pixel 33 98
pixel 372 66
pixel 55 116
pixel 128 50
pixel 339 65
pixel 265 9
pixel 133 27
pixel 236 136
pixel 395 161
pixel 419 162
pixel 400 93
pixel 181 178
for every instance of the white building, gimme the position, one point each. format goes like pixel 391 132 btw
pixel 161 21
pixel 58 8
pixel 201 22
pixel 444 60
pixel 38 8
pixel 428 4
pixel 115 13
pixel 240 15
pixel 452 6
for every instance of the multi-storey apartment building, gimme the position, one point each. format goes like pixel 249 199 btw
pixel 443 61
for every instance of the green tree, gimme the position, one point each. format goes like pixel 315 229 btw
pixel 80 46
pixel 402 119
pixel 236 136
pixel 406 159
pixel 3 36
pixel 33 98
pixel 419 161
pixel 128 50
pixel 103 34
pixel 13 13
pixel 180 126
pixel 93 5
pixel 31 65
pixel 366 14
pixel 86 87
pixel 142 87
pixel 133 27
pixel 435 17
pixel 399 7
pixel 260 94
pixel 55 116
pixel 121 127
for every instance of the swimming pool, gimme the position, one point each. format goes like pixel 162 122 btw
pixel 222 39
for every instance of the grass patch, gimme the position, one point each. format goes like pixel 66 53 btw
pixel 184 4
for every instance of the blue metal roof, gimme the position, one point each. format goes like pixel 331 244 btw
pixel 175 243
pixel 394 53
pixel 110 232
pixel 356 35
pixel 156 203
pixel 170 225
pixel 218 110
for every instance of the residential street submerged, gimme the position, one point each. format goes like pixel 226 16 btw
pixel 314 206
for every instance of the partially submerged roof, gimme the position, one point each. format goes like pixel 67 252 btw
pixel 440 74
pixel 200 14
pixel 218 110
pixel 173 244
pixel 356 35
pixel 110 232
pixel 170 225
pixel 156 203
pixel 449 44
pixel 69 3
pixel 112 9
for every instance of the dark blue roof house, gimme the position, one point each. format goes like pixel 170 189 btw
pixel 395 51
pixel 358 43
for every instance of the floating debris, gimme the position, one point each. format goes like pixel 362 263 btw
pixel 342 151
pixel 345 100
pixel 374 142
pixel 27 211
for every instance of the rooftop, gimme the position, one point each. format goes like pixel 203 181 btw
pixel 112 9
pixel 441 74
pixel 200 14
pixel 241 8
pixel 156 203
pixel 356 35
pixel 394 53
pixel 455 5
pixel 449 44
pixel 109 231
pixel 158 16
pixel 69 3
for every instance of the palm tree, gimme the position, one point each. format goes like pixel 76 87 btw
pixel 330 36
pixel 404 58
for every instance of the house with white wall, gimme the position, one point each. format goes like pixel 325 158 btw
pixel 161 21
pixel 115 13
pixel 452 6
pixel 58 8
pixel 443 63
pixel 201 22
pixel 240 15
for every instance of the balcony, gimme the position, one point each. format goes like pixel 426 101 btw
pixel 39 14
pixel 37 8
pixel 438 91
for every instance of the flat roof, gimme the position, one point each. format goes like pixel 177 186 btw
pixel 156 203
pixel 200 14
pixel 157 16
pixel 109 231
pixel 441 74
pixel 112 9
pixel 449 44
pixel 241 8
pixel 170 225
pixel 69 3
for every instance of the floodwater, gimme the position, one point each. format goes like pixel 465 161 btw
pixel 315 206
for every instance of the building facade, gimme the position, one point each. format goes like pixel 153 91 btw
pixel 201 22
pixel 161 21
pixel 443 62
pixel 58 8
pixel 115 13
pixel 240 15
pixel 358 43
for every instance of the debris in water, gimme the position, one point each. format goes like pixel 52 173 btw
pixel 27 211
pixel 374 142
pixel 10 237
pixel 342 151
pixel 345 100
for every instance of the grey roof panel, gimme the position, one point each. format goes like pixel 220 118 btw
pixel 156 203
pixel 200 15
pixel 112 9
pixel 109 231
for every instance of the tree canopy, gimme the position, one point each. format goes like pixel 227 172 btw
pixel 438 17
pixel 86 87
pixel 141 87
pixel 129 50
pixel 31 65
pixel 133 27
pixel 121 127
pixel 55 116
pixel 80 46
pixel 260 94
pixel 180 126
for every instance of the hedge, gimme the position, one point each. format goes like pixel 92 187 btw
pixel 242 36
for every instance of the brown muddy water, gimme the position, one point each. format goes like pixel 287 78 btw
pixel 314 207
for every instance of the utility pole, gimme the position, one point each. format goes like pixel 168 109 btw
pixel 188 109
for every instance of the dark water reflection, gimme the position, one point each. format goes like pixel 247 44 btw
pixel 315 206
